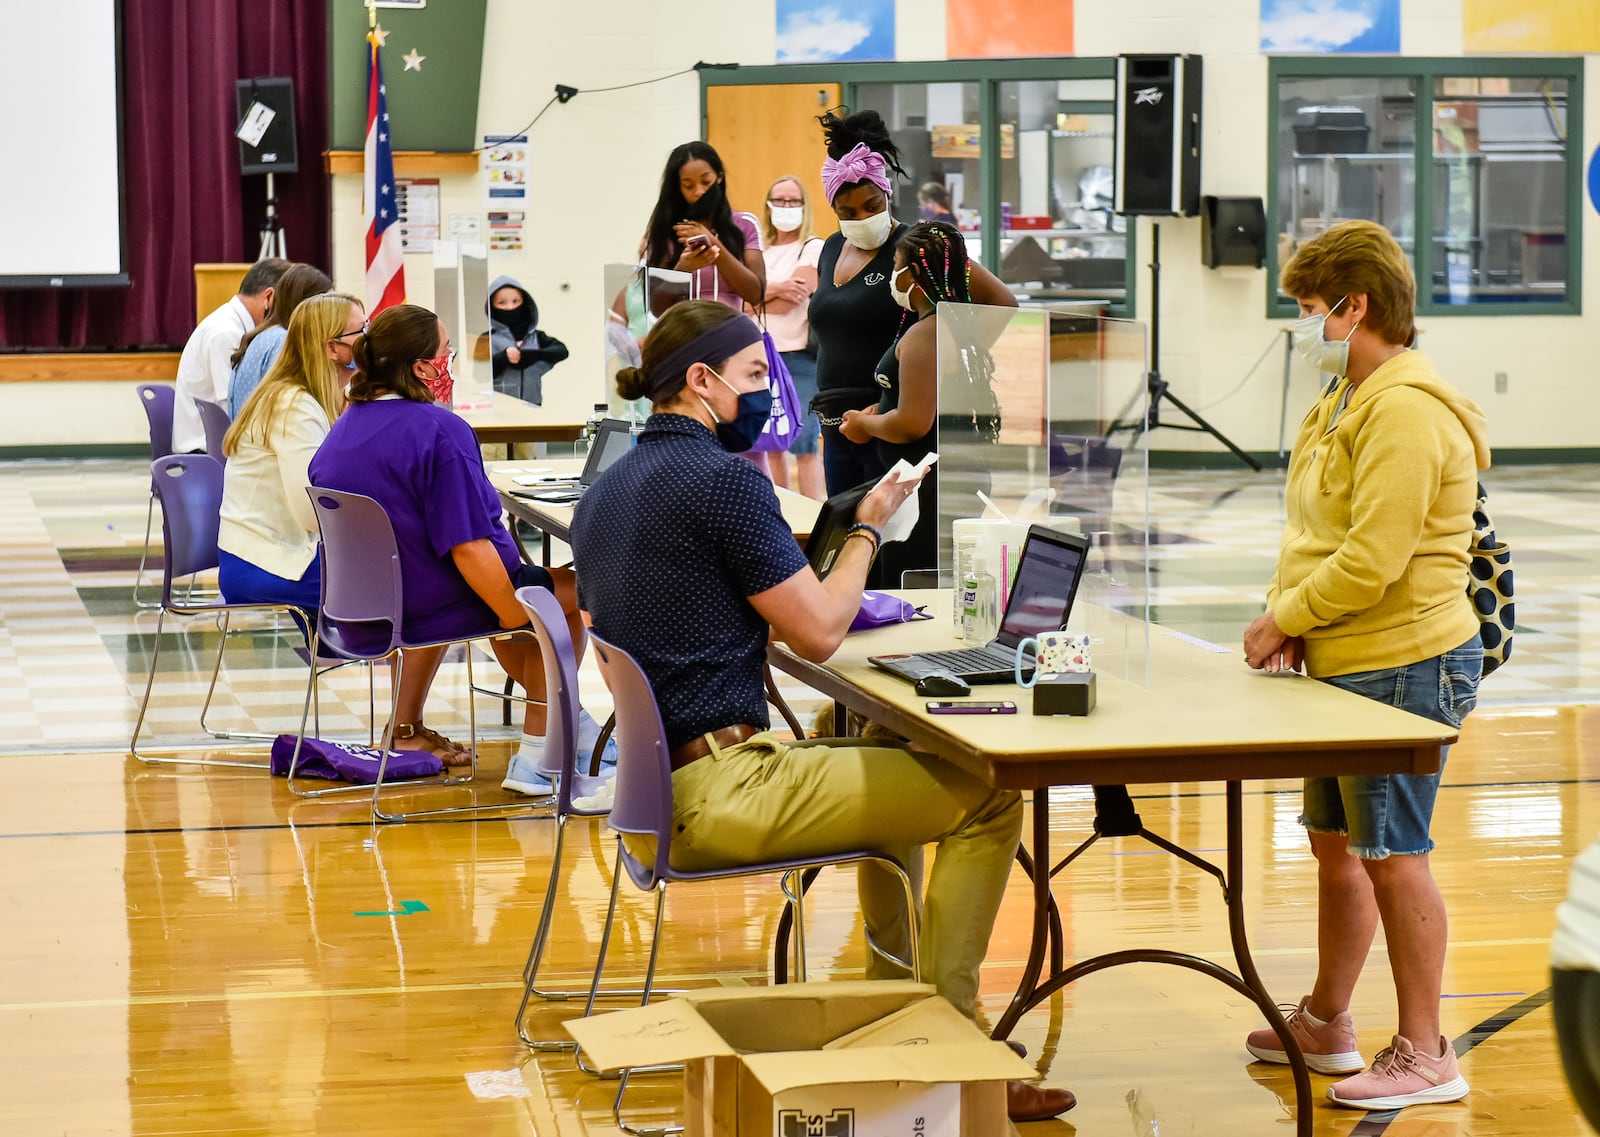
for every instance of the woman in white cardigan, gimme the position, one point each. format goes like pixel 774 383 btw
pixel 268 536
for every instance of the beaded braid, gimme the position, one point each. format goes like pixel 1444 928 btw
pixel 939 253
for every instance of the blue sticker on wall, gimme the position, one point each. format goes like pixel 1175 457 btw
pixel 1594 179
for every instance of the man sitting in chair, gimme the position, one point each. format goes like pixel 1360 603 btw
pixel 686 563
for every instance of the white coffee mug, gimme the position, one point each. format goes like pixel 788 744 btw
pixel 1055 653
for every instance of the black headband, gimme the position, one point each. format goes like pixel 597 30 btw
pixel 721 342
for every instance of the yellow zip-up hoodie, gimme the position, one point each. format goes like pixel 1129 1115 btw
pixel 1373 568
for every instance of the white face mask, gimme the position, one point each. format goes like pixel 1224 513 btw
pixel 869 233
pixel 901 298
pixel 1332 356
pixel 787 218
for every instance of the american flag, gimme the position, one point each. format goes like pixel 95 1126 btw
pixel 386 274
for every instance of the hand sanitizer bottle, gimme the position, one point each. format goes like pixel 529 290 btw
pixel 979 619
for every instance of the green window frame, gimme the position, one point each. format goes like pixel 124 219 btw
pixel 1423 73
pixel 989 74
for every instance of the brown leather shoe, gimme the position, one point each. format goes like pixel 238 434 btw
pixel 1028 1102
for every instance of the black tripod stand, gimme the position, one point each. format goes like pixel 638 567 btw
pixel 272 239
pixel 1157 388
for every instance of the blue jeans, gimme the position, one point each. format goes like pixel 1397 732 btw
pixel 1389 814
pixel 847 464
pixel 803 371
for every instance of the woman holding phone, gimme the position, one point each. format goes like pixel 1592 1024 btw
pixel 693 229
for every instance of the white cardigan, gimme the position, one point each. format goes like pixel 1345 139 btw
pixel 266 514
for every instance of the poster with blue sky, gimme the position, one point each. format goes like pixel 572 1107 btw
pixel 1306 26
pixel 828 31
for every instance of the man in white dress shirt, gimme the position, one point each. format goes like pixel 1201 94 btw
pixel 203 369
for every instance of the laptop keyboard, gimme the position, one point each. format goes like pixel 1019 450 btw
pixel 969 660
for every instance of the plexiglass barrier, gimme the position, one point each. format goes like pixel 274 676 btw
pixel 461 300
pixel 1036 407
pixel 635 298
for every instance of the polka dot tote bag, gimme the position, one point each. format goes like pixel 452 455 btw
pixel 1490 587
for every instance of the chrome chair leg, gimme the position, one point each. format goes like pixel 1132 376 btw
pixel 149 684
pixel 144 555
pixel 649 980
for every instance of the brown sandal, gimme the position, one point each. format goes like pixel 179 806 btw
pixel 450 753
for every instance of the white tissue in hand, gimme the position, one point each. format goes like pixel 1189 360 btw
pixel 904 520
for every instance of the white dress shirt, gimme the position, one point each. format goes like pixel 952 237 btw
pixel 204 371
pixel 267 517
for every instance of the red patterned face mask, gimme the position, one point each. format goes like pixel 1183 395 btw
pixel 442 386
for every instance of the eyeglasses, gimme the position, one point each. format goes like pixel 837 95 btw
pixel 361 331
pixel 785 203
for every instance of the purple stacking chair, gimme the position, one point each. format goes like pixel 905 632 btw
pixel 189 487
pixel 360 619
pixel 158 401
pixel 560 767
pixel 214 419
pixel 643 807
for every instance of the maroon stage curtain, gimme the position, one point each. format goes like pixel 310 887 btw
pixel 184 199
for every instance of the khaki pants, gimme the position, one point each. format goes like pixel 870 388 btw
pixel 766 800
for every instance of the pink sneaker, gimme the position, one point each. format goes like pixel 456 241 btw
pixel 1329 1047
pixel 1400 1076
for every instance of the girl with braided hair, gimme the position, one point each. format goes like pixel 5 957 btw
pixel 931 267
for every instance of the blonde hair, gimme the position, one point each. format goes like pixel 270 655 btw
pixel 1358 258
pixel 302 365
pixel 769 233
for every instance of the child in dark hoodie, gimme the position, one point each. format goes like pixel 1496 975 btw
pixel 520 354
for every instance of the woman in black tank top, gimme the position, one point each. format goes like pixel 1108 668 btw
pixel 930 268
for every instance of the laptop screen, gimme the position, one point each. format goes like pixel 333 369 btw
pixel 614 439
pixel 1047 580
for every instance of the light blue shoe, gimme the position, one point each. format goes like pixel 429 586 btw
pixel 588 735
pixel 523 775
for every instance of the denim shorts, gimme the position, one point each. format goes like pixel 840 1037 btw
pixel 803 371
pixel 1387 814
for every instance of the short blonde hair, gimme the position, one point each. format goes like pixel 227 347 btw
pixel 1354 258
pixel 768 231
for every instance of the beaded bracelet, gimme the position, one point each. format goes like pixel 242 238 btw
pixel 863 527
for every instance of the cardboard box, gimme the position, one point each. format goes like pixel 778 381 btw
pixel 860 1059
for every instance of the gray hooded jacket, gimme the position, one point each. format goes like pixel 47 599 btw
pixel 538 352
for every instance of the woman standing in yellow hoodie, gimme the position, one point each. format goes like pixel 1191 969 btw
pixel 1370 596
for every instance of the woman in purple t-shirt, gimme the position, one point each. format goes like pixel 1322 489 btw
pixel 459 565
pixel 693 229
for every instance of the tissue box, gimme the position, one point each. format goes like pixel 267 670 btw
pixel 1069 694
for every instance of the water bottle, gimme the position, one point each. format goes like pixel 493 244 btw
pixel 591 428
pixel 979 618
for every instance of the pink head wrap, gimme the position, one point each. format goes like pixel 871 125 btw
pixel 860 165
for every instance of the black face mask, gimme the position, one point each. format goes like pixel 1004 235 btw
pixel 706 208
pixel 518 320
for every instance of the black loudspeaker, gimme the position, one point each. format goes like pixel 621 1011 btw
pixel 1158 135
pixel 1233 231
pixel 277 151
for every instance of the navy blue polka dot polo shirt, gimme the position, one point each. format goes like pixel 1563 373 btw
pixel 669 543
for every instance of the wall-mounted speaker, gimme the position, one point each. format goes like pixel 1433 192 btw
pixel 272 149
pixel 1158 135
pixel 1233 231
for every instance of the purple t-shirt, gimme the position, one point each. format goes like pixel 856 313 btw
pixel 422 464
pixel 710 284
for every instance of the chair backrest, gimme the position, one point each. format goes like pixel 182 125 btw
pixel 362 599
pixel 189 487
pixel 643 802
pixel 158 400
pixel 214 418
pixel 560 686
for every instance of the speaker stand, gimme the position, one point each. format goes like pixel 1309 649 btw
pixel 273 243
pixel 1158 389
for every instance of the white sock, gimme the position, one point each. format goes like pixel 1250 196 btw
pixel 532 749
pixel 1310 1018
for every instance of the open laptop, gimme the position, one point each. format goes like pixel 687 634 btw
pixel 1041 599
pixel 833 523
pixel 612 440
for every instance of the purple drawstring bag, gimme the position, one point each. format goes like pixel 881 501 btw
pixel 879 608
pixel 784 424
pixel 346 762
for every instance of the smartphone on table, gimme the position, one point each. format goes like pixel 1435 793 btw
pixel 943 707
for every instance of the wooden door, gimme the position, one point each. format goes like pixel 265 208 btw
pixel 768 131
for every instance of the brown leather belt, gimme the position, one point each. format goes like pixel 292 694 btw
pixel 697 748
